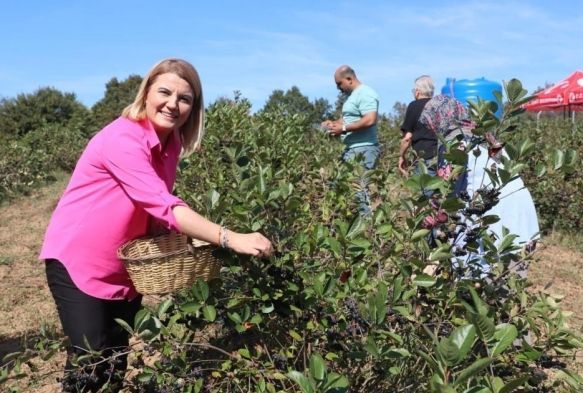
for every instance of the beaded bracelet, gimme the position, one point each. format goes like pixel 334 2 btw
pixel 223 237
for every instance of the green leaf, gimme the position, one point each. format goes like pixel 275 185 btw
pixel 511 151
pixel 371 347
pixel 334 246
pixel 493 176
pixel 478 389
pixel 384 229
pixel 141 316
pixel 514 90
pixel 301 380
pixel 209 312
pixel 463 337
pixel 214 198
pixel 191 307
pixel 430 361
pixel 419 234
pixel 472 370
pixel 397 288
pixel 163 307
pixel 413 184
pixel 438 386
pixel 317 367
pixel 526 147
pixel 398 353
pixel 424 280
pixel 261 180
pixel 484 326
pixel 273 195
pixel 558 159
pixel 356 228
pixel 433 183
pixel 436 383
pixel 452 204
pixel 256 319
pixel 570 158
pixel 457 157
pixel 507 243
pixel 235 317
pixel 438 255
pixel 496 383
pixel 572 379
pixel 505 335
pixel 295 335
pixel 505 175
pixel 448 351
pixel 490 219
pixel 201 290
pixel 479 304
pixel 124 325
pixel 359 245
pixel 335 383
pixel 513 385
pixel 380 300
pixel 145 377
pixel 14 355
pixel 398 338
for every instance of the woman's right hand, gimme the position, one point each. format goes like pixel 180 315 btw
pixel 250 243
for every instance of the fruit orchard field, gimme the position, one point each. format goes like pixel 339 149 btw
pixel 344 303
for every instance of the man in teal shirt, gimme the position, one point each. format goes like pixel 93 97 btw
pixel 358 126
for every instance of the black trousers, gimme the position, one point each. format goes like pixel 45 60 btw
pixel 87 320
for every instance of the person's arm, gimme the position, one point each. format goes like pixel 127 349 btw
pixel 194 225
pixel 407 127
pixel 367 120
pixel 128 162
pixel 404 147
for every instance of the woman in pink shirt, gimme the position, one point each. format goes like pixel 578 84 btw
pixel 123 179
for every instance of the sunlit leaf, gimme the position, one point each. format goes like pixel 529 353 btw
pixel 301 380
pixel 505 335
pixel 424 280
pixel 463 337
pixel 317 367
pixel 472 371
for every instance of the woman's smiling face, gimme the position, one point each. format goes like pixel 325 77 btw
pixel 168 103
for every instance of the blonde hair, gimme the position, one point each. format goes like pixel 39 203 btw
pixel 192 130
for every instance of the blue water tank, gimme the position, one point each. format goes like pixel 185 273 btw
pixel 465 90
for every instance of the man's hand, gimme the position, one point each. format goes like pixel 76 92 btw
pixel 336 128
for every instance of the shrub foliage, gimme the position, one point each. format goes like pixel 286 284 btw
pixel 346 304
pixel 556 192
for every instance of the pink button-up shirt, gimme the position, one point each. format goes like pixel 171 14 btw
pixel 121 179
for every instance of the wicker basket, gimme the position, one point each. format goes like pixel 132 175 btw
pixel 168 263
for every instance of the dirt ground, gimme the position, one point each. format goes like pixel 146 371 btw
pixel 26 304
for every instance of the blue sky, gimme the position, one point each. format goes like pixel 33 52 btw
pixel 259 46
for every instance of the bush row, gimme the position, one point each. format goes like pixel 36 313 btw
pixel 557 194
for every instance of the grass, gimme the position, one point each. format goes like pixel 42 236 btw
pixel 573 241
